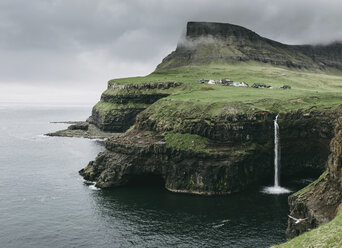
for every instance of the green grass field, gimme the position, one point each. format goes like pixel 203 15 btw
pixel 309 89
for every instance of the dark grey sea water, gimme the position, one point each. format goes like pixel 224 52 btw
pixel 45 203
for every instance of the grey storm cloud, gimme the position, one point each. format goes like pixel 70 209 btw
pixel 87 42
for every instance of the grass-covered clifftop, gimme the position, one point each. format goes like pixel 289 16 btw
pixel 308 89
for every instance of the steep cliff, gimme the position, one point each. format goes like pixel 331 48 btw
pixel 318 205
pixel 139 154
pixel 318 202
pixel 120 104
pixel 211 155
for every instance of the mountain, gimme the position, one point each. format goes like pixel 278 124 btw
pixel 208 42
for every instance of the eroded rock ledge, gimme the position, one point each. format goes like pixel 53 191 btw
pixel 120 104
pixel 238 152
pixel 141 153
pixel 82 129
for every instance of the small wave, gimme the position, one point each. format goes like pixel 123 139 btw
pixel 99 139
pixel 41 136
pixel 275 190
pixel 86 182
pixel 90 184
pixel 93 187
pixel 218 226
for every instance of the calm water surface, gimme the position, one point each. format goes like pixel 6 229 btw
pixel 45 203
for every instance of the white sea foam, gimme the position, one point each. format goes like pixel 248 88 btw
pixel 218 226
pixel 101 140
pixel 93 187
pixel 86 182
pixel 275 190
pixel 41 136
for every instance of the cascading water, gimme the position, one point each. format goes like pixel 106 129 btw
pixel 276 152
pixel 276 189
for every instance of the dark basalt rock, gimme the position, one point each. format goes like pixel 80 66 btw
pixel 79 126
pixel 128 158
pixel 126 102
pixel 83 130
pixel 231 165
pixel 316 206
pixel 318 202
pixel 134 97
pixel 115 120
pixel 220 30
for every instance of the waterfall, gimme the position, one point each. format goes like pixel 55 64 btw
pixel 276 189
pixel 276 152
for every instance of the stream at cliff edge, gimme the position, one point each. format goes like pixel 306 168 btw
pixel 45 203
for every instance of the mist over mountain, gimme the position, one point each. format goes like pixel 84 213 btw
pixel 210 42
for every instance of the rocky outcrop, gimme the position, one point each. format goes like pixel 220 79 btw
pixel 118 108
pixel 138 154
pixel 114 117
pixel 304 137
pixel 335 161
pixel 304 134
pixel 318 203
pixel 120 104
pixel 239 152
pixel 82 129
pixel 207 42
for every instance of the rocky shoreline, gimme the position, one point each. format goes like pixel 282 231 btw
pixel 82 129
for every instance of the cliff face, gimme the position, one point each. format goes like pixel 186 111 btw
pixel 207 43
pixel 139 154
pixel 318 203
pixel 120 104
pixel 235 156
pixel 335 161
pixel 218 169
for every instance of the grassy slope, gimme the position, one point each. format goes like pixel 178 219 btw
pixel 309 89
pixel 192 102
pixel 186 141
pixel 106 107
pixel 328 235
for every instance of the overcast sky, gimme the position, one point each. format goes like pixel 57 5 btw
pixel 68 49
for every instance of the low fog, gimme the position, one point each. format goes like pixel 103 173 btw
pixel 66 50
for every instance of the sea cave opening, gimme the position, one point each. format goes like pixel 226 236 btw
pixel 146 179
